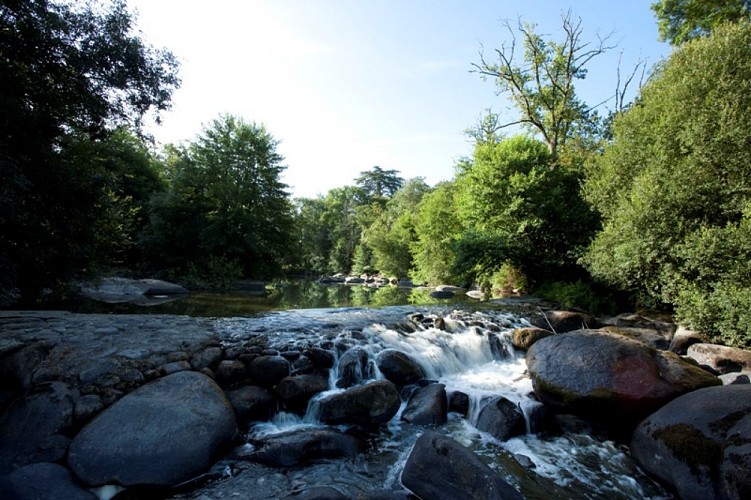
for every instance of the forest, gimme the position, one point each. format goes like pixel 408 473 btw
pixel 649 206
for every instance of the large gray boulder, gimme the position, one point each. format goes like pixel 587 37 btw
pixel 427 406
pixel 700 443
pixel 144 291
pixel 373 403
pixel 502 419
pixel 162 434
pixel 603 375
pixel 721 358
pixel 399 367
pixel 34 428
pixel 294 448
pixel 41 481
pixel 440 468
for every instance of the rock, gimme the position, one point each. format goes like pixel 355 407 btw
pixel 523 338
pixel 17 370
pixel 442 294
pixel 353 367
pixel 267 371
pixel 607 376
pixel 230 371
pixel 294 448
pixel 564 321
pixel 34 428
pixel 318 493
pixel 648 336
pixel 634 320
pixel 373 403
pixel 721 358
pixel 700 443
pixel 115 290
pixel 459 402
pixel 450 288
pixel 295 391
pixel 40 481
pixel 206 358
pixel 252 402
pixel 476 294
pixel 161 434
pixel 439 467
pixel 321 358
pixel 502 419
pixel 734 378
pixel 86 408
pixel 427 406
pixel 683 338
pixel 354 280
pixel 399 368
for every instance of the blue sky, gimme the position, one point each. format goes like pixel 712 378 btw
pixel 349 84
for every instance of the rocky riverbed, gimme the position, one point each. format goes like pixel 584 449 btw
pixel 359 403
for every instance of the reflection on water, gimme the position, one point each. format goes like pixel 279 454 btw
pixel 283 295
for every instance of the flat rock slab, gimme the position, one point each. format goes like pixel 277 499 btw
pixel 162 434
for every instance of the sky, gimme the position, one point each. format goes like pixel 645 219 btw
pixel 346 85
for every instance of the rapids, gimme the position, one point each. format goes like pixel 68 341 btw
pixel 468 350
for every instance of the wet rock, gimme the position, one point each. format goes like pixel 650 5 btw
pixel 459 402
pixel 608 376
pixel 295 391
pixel 321 358
pixel 353 367
pixel 684 338
pixel 17 370
pixel 399 367
pixel 34 427
pixel 427 406
pixel 290 449
pixel 86 408
pixel 564 321
pixel 40 481
pixel 735 378
pixel 267 371
pixel 303 365
pixel 700 443
pixel 252 402
pixel 230 371
pixel 174 367
pixel 439 467
pixel 206 358
pixel 648 336
pixel 162 434
pixel 523 338
pixel 502 419
pixel 373 403
pixel 720 358
pixel 318 493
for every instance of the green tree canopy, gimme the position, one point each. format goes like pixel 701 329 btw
pixel 681 20
pixel 377 184
pixel 70 71
pixel 674 187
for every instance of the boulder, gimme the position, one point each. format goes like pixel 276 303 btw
pixel 161 434
pixel 684 338
pixel 502 419
pixel 564 321
pixel 230 371
pixel 252 402
pixel 649 336
pixel 700 443
pixel 294 448
pixel 353 367
pixel 439 467
pixel 145 291
pixel 373 403
pixel 459 402
pixel 399 368
pixel 427 406
pixel 206 358
pixel 602 375
pixel 321 358
pixel 442 294
pixel 317 493
pixel 295 391
pixel 720 358
pixel 40 481
pixel 735 378
pixel 17 369
pixel 523 338
pixel 267 371
pixel 34 428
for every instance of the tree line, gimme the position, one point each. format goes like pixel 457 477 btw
pixel 649 203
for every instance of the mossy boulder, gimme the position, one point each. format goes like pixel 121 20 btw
pixel 609 377
pixel 523 338
pixel 700 443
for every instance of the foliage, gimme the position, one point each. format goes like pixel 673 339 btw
pixel 508 280
pixel 225 200
pixel 70 71
pixel 376 184
pixel 577 295
pixel 676 180
pixel 542 86
pixel 679 21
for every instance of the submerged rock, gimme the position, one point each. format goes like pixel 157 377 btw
pixel 502 419
pixel 162 434
pixel 290 449
pixel 295 391
pixel 700 443
pixel 353 367
pixel 373 403
pixel 427 406
pixel 439 467
pixel 609 376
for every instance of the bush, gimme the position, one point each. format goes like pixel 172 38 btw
pixel 578 295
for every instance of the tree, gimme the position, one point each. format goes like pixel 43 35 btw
pixel 542 88
pixel 378 184
pixel 227 190
pixel 681 20
pixel 674 188
pixel 71 71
